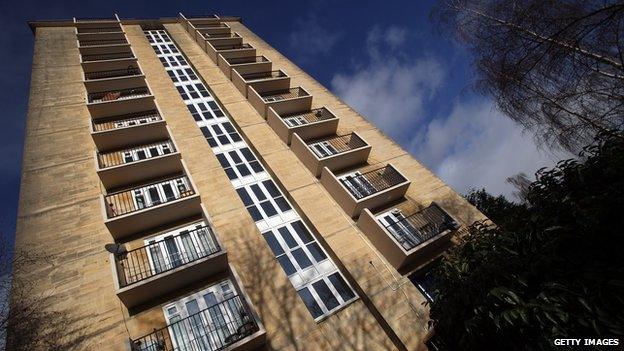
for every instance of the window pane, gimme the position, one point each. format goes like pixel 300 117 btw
pixel 273 243
pixel 326 296
pixel 268 208
pixel 242 192
pixel 256 166
pixel 310 302
pixel 243 170
pixel 255 214
pixel 302 231
pixel 301 258
pixel 282 204
pixel 286 265
pixel 247 154
pixel 235 157
pixel 259 194
pixel 271 188
pixel 290 241
pixel 316 252
pixel 343 289
pixel 223 161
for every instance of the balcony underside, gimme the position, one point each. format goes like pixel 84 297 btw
pixel 142 292
pixel 126 136
pixel 335 162
pixel 134 172
pixel 392 250
pixel 125 225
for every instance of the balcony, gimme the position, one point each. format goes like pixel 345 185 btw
pixel 150 205
pixel 312 124
pixel 369 189
pixel 220 28
pixel 261 81
pixel 101 29
pixel 409 240
pixel 285 101
pixel 181 258
pixel 244 65
pixel 95 21
pixel 120 131
pixel 105 80
pixel 128 98
pixel 230 50
pixel 227 325
pixel 121 41
pixel 335 152
pixel 132 165
pixel 121 55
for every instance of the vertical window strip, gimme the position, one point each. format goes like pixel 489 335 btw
pixel 311 271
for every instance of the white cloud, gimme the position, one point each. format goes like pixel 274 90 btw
pixel 474 146
pixel 477 146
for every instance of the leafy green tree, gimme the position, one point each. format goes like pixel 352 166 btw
pixel 554 269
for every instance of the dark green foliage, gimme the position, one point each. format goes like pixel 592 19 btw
pixel 554 268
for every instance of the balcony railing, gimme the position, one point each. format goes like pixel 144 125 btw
pixel 271 96
pixel 219 36
pixel 102 42
pixel 211 329
pixel 316 115
pixel 115 73
pixel 154 259
pixel 135 154
pixel 421 226
pixel 371 182
pixel 232 47
pixel 211 25
pixel 109 56
pixel 245 60
pixel 336 145
pixel 127 121
pixel 250 77
pixel 115 95
pixel 96 30
pixel 143 197
pixel 97 19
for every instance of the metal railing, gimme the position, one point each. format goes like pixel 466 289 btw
pixel 128 120
pixel 210 25
pixel 97 19
pixel 372 182
pixel 249 77
pixel 316 115
pixel 154 259
pixel 93 30
pixel 245 60
pixel 135 154
pixel 114 95
pixel 421 226
pixel 232 47
pixel 337 144
pixel 219 35
pixel 211 329
pixel 271 96
pixel 109 56
pixel 101 42
pixel 114 73
pixel 146 196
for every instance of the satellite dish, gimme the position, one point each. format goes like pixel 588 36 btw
pixel 116 249
pixel 318 113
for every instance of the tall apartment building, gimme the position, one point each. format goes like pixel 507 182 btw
pixel 196 190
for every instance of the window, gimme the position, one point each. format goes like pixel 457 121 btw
pixel 206 320
pixel 425 280
pixel 310 270
pixel 222 134
pixel 156 194
pixel 239 163
pixel 180 246
pixel 358 185
pixel 402 230
pixel 295 121
pixel 323 149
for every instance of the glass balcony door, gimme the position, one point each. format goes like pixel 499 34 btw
pixel 207 320
pixel 173 249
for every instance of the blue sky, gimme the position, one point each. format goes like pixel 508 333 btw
pixel 383 58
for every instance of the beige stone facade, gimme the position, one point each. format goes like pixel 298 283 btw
pixel 62 212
